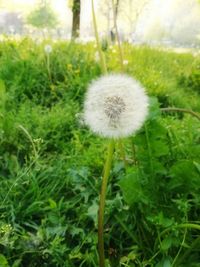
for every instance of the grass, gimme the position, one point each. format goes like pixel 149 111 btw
pixel 51 164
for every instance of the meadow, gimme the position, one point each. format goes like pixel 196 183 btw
pixel 51 163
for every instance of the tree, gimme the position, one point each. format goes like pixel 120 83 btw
pixel 132 9
pixel 106 9
pixel 127 13
pixel 43 17
pixel 76 10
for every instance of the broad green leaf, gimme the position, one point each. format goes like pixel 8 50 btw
pixel 159 148
pixel 167 263
pixel 197 165
pixel 184 174
pixel 52 203
pixel 17 263
pixel 92 211
pixel 164 263
pixel 131 188
pixel 154 109
pixel 166 243
pixel 3 261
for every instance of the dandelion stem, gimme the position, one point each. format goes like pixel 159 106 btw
pixel 122 152
pixel 48 67
pixel 101 55
pixel 191 112
pixel 134 152
pixel 149 149
pixel 107 168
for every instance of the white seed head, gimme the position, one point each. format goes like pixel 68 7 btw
pixel 125 62
pixel 48 49
pixel 115 106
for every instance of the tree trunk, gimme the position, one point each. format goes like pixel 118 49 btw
pixel 76 9
pixel 112 32
pixel 117 8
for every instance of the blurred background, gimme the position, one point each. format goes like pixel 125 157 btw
pixel 156 22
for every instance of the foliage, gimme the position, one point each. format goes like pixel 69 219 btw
pixel 192 79
pixel 51 164
pixel 42 17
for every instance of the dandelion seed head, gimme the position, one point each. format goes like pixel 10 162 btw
pixel 115 106
pixel 48 49
pixel 125 62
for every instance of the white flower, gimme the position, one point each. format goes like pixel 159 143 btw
pixel 48 49
pixel 115 106
pixel 125 62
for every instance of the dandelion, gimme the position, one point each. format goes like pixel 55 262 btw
pixel 125 62
pixel 116 106
pixel 48 49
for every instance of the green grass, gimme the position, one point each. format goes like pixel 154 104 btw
pixel 51 164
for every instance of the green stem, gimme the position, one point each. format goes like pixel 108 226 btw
pixel 122 152
pixel 126 229
pixel 30 139
pixel 48 67
pixel 183 225
pixel 189 225
pixel 101 55
pixel 191 112
pixel 188 251
pixel 134 152
pixel 102 203
pixel 149 149
pixel 181 246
